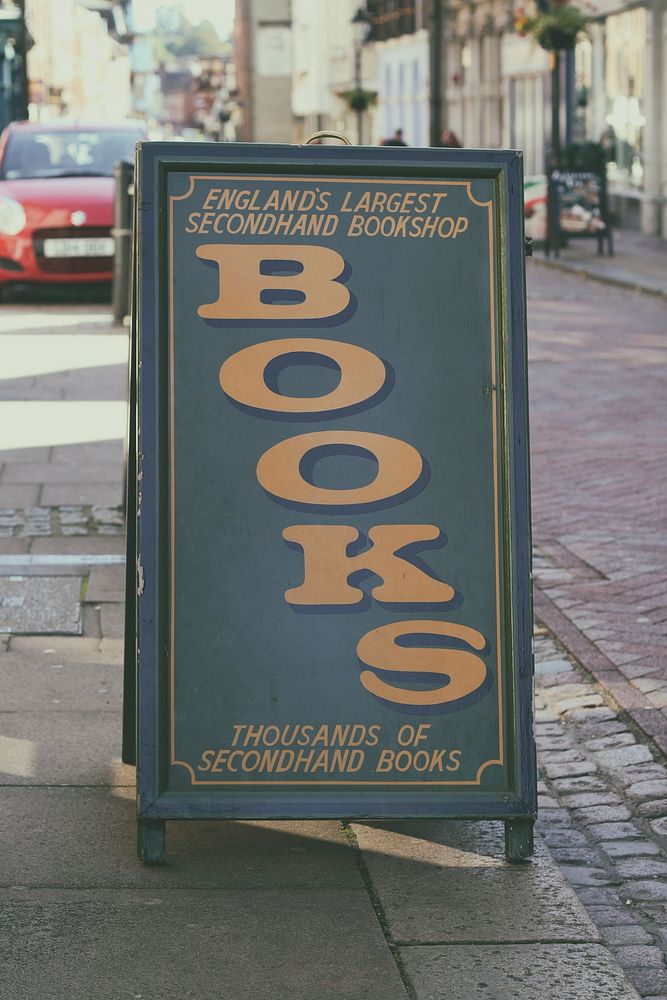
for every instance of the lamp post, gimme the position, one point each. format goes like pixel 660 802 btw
pixel 360 27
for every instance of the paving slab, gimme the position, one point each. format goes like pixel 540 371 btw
pixel 58 472
pixel 81 649
pixel 444 881
pixel 44 681
pixel 112 621
pixel 88 545
pixel 19 496
pixel 197 945
pixel 94 493
pixel 106 583
pixel 31 455
pixel 61 748
pixel 43 604
pixel 113 647
pixel 14 546
pixel 82 837
pixel 101 382
pixel 516 972
pixel 22 389
pixel 34 569
pixel 84 454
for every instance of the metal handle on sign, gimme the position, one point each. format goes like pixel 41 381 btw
pixel 328 135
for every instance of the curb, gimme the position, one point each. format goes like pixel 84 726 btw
pixel 604 279
pixel 629 700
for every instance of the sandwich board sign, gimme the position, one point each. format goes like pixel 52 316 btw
pixel 333 613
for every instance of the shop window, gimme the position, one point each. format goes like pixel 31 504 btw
pixel 625 120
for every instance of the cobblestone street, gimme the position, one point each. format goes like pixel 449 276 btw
pixel 603 809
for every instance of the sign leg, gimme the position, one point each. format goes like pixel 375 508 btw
pixel 151 841
pixel 518 839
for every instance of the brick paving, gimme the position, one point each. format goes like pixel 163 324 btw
pixel 598 381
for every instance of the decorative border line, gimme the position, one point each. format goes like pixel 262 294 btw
pixel 500 760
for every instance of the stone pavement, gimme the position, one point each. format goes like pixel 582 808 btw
pixel 603 802
pixel 639 262
pixel 293 909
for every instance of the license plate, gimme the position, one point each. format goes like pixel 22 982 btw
pixel 91 246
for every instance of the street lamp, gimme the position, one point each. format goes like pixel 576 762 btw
pixel 361 26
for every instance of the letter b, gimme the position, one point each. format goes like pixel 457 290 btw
pixel 244 292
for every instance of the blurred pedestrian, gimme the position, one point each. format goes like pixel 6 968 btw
pixel 450 139
pixel 396 139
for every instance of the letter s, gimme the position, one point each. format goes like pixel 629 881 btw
pixel 465 671
pixel 193 222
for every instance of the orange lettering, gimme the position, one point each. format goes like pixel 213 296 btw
pixel 465 671
pixel 245 293
pixel 279 469
pixel 242 376
pixel 327 567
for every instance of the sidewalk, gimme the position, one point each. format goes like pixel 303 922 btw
pixel 639 262
pixel 242 911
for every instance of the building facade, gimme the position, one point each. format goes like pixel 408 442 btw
pixel 329 65
pixel 621 99
pixel 263 45
pixel 496 88
pixel 79 65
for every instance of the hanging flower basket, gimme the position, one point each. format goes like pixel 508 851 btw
pixel 358 99
pixel 554 29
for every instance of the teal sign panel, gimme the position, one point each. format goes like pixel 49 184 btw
pixel 334 601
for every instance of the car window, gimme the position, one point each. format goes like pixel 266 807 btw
pixel 64 153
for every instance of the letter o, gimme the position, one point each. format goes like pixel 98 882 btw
pixel 442 222
pixel 271 736
pixel 250 760
pixel 242 376
pixel 406 735
pixel 279 468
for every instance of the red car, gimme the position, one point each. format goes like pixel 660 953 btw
pixel 56 200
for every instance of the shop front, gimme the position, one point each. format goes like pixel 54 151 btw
pixel 619 102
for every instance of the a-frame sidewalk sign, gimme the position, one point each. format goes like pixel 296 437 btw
pixel 332 614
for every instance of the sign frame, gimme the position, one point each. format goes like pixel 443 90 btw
pixel 148 635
